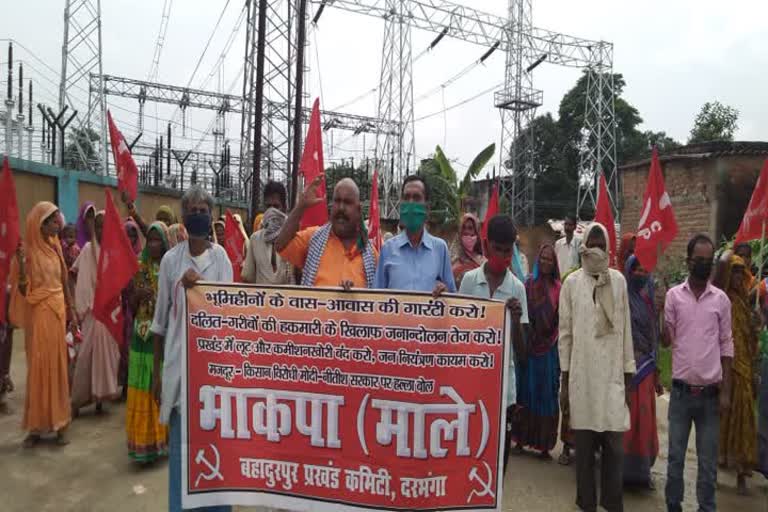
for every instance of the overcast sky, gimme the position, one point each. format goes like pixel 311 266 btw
pixel 675 55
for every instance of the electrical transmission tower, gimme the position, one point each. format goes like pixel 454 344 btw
pixel 518 102
pixel 81 56
pixel 395 145
pixel 526 47
pixel 270 112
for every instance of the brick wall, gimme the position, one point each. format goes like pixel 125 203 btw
pixel 691 184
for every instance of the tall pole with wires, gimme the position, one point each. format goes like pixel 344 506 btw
pixel 298 116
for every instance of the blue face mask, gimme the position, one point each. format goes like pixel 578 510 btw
pixel 198 224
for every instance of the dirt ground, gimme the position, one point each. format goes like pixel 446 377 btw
pixel 93 473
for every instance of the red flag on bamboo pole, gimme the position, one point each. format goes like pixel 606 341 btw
pixel 127 172
pixel 604 215
pixel 658 226
pixel 312 166
pixel 374 219
pixel 752 224
pixel 117 266
pixel 493 210
pixel 234 244
pixel 9 230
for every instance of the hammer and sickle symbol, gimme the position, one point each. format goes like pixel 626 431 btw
pixel 213 468
pixel 485 485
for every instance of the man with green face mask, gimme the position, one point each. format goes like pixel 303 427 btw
pixel 414 260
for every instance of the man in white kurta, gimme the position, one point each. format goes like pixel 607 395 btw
pixel 597 361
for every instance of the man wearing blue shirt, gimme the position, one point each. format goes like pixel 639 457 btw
pixel 414 260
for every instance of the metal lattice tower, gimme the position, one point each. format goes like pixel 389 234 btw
pixel 80 56
pixel 280 51
pixel 598 151
pixel 395 145
pixel 526 47
pixel 518 102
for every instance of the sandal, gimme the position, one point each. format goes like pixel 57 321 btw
pixel 30 441
pixel 61 439
pixel 564 459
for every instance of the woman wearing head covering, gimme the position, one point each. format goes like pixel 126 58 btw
pixel 219 231
pixel 98 360
pixel 133 232
pixel 84 224
pixel 738 426
pixel 626 249
pixel 537 412
pixel 147 438
pixel 257 222
pixel 470 248
pixel 762 421
pixel 177 233
pixel 42 306
pixel 262 264
pixel 165 214
pixel 641 441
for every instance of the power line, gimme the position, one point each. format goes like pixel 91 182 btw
pixel 459 104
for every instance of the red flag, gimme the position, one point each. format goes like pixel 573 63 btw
pixel 657 227
pixel 117 266
pixel 493 210
pixel 234 243
pixel 751 227
pixel 9 230
pixel 311 166
pixel 374 219
pixel 127 173
pixel 604 215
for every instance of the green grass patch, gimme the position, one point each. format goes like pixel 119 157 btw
pixel 664 363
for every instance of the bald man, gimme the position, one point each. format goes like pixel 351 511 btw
pixel 337 253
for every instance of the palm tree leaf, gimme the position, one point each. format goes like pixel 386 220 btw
pixel 477 165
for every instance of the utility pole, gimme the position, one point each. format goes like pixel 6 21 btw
pixel 258 108
pixel 9 105
pixel 20 115
pixel 297 111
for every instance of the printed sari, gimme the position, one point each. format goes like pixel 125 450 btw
pixel 641 441
pixel 738 426
pixel 147 438
pixel 537 412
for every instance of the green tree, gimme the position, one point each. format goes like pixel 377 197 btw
pixel 715 121
pixel 81 140
pixel 359 175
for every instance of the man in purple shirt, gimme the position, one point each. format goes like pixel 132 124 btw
pixel 697 319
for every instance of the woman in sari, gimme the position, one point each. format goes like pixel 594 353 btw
pixel 177 233
pixel 537 412
pixel 133 231
pixel 626 249
pixel 641 441
pixel 85 223
pixel 470 249
pixel 147 438
pixel 738 426
pixel 96 369
pixel 42 306
pixel 165 215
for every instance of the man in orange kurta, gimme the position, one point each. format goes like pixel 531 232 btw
pixel 337 253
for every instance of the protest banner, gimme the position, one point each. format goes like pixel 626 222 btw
pixel 323 400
